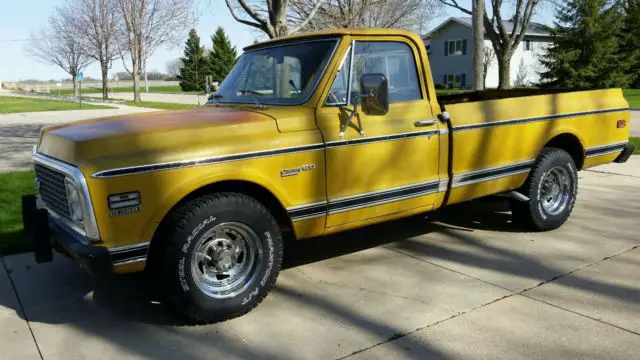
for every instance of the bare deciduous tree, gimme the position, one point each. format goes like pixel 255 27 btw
pixel 489 55
pixel 95 24
pixel 148 25
pixel 271 16
pixel 504 41
pixel 58 44
pixel 173 68
pixel 406 14
pixel 477 26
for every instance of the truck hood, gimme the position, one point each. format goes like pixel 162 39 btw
pixel 157 137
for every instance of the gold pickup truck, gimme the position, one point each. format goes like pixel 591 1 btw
pixel 310 135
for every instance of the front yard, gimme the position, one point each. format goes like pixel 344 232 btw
pixel 11 104
pixel 12 187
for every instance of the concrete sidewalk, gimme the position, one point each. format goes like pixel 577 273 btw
pixel 461 283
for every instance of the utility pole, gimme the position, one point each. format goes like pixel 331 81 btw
pixel 477 30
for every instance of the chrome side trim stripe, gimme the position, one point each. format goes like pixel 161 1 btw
pixel 605 149
pixel 381 197
pixel 373 139
pixel 257 154
pixel 353 202
pixel 205 161
pixel 533 119
pixel 129 254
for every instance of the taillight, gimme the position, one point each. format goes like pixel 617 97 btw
pixel 621 124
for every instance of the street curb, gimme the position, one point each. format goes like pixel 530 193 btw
pixel 86 99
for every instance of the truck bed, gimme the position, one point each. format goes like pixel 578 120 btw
pixel 494 94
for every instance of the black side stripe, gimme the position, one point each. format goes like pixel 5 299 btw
pixel 491 173
pixel 534 119
pixel 308 212
pixel 382 197
pixel 601 150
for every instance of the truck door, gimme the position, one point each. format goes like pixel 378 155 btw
pixel 389 164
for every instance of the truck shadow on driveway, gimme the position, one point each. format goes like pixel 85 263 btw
pixel 122 302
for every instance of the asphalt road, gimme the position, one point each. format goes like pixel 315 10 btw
pixel 461 284
pixel 19 131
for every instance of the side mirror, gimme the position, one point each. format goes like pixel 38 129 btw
pixel 374 90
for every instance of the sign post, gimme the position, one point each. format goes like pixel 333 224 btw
pixel 80 77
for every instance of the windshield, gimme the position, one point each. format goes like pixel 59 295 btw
pixel 277 75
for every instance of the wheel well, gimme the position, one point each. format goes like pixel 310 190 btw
pixel 264 196
pixel 570 144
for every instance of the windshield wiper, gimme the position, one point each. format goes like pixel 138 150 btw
pixel 216 97
pixel 253 93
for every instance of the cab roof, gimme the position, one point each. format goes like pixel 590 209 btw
pixel 328 33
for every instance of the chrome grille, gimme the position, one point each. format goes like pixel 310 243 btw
pixel 52 190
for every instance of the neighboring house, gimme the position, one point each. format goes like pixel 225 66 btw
pixel 450 55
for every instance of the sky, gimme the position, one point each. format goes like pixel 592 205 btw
pixel 20 19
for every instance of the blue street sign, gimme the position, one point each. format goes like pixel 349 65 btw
pixel 79 76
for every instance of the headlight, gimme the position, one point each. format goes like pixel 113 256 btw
pixel 75 201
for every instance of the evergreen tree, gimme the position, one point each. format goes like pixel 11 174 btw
pixel 222 56
pixel 630 38
pixel 585 50
pixel 194 64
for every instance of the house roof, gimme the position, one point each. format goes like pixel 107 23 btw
pixel 535 29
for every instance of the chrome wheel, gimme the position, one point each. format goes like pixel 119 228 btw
pixel 226 259
pixel 554 193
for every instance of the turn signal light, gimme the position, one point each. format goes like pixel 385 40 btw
pixel 621 124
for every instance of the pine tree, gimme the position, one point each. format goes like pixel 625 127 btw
pixel 585 50
pixel 194 64
pixel 222 56
pixel 630 38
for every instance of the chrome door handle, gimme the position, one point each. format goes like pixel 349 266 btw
pixel 424 123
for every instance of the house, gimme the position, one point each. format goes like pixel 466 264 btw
pixel 450 54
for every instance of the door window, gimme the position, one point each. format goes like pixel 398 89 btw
pixel 393 59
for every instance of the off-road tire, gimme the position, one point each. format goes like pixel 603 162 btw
pixel 531 214
pixel 179 238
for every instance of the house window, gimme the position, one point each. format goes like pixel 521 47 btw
pixel 528 45
pixel 455 81
pixel 455 47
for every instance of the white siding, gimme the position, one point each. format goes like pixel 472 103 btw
pixel 529 59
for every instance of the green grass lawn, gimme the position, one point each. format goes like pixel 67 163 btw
pixel 160 105
pixel 166 89
pixel 633 97
pixel 12 187
pixel 11 104
pixel 635 141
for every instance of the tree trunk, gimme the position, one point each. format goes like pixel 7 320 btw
pixel 136 79
pixel 146 84
pixel 75 85
pixel 105 85
pixel 504 70
pixel 478 44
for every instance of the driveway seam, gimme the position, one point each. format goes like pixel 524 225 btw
pixel 612 173
pixel 24 313
pixel 580 314
pixel 513 293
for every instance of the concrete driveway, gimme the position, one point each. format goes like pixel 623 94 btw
pixel 635 123
pixel 463 283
